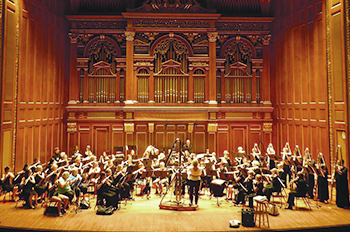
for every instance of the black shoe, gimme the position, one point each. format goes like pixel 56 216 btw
pixel 289 207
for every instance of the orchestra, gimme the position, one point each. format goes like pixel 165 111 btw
pixel 64 180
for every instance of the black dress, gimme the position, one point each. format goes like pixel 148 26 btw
pixel 322 185
pixel 42 188
pixel 6 186
pixel 342 188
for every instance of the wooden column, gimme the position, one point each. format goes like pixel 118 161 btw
pixel 223 87
pixel 74 76
pixel 117 87
pixel 212 36
pixel 266 95
pixel 191 86
pixel 86 86
pixel 254 86
pixel 129 74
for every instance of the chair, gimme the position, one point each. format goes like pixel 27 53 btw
pixel 280 196
pixel 261 212
pixel 305 200
pixel 217 186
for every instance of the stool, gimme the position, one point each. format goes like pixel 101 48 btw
pixel 262 206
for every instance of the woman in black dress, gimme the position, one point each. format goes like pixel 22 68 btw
pixel 341 178
pixel 322 185
pixel 7 182
pixel 28 182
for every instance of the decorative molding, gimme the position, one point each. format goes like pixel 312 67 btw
pixel 99 25
pixel 212 36
pixel 129 35
pixel 15 110
pixel 150 127
pixel 230 26
pixel 129 127
pixel 347 31
pixel 151 35
pixel 74 37
pixel 71 127
pixel 173 23
pixel 267 127
pixel 190 36
pixel 265 39
pixel 166 6
pixel 190 127
pixel 329 84
pixel 212 127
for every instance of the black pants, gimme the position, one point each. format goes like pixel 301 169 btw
pixel 194 189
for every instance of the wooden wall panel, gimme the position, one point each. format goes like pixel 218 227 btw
pixel 223 142
pixel 239 138
pixel 141 141
pixel 101 140
pixel 199 142
pixel 84 140
pixel 300 77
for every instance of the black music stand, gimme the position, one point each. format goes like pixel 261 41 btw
pixel 118 150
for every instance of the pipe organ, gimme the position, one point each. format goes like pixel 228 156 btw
pixel 183 76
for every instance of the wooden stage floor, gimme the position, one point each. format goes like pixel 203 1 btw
pixel 145 215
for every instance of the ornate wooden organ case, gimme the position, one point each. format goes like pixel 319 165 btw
pixel 149 77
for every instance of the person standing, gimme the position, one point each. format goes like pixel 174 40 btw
pixel 194 176
pixel 341 181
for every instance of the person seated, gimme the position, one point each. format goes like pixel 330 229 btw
pixel 41 187
pixel 76 184
pixel 273 186
pixel 105 192
pixel 161 180
pixel 63 186
pixel 28 192
pixel 299 190
pixel 94 172
pixel 259 185
pixel 7 183
pixel 55 195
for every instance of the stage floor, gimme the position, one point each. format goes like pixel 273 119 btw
pixel 145 215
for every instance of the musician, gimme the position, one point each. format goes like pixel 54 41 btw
pixel 258 185
pixel 162 180
pixel 17 180
pixel 188 146
pixel 56 155
pixel 94 172
pixel 270 153
pixel 249 185
pixel 41 187
pixel 120 184
pixel 239 176
pixel 104 191
pixel 308 162
pixel 76 183
pixel 28 192
pixel 227 158
pixel 76 152
pixel 222 167
pixel 88 152
pixel 7 182
pixel 341 181
pixel 194 176
pixel 322 180
pixel 63 186
pixel 273 186
pixel 280 172
pixel 299 190
pixel 54 194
